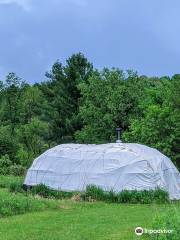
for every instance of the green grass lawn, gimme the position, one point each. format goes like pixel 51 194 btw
pixel 80 221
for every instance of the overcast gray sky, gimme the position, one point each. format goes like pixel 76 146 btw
pixel 143 35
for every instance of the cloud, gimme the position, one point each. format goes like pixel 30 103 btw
pixel 79 3
pixel 25 4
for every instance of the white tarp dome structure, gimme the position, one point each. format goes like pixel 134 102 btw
pixel 113 166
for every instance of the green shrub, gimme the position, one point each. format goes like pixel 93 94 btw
pixel 111 196
pixel 6 181
pixel 19 204
pixel 8 168
pixel 46 192
pixel 170 220
pixel 8 144
pixel 16 187
pixel 17 170
pixel 161 196
pixel 148 196
pixel 126 196
pixel 5 163
pixel 24 157
pixel 41 190
pixel 94 192
pixel 143 196
pixel 134 196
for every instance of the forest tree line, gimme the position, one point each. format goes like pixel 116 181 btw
pixel 77 103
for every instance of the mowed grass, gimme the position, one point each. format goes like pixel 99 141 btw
pixel 81 221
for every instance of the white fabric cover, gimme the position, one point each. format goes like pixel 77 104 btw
pixel 116 166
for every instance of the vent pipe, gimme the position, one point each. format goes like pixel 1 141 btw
pixel 118 133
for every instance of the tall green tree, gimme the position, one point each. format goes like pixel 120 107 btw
pixel 32 104
pixel 31 137
pixel 108 100
pixel 11 97
pixel 158 125
pixel 63 95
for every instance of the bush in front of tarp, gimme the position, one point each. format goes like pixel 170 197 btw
pixel 161 196
pixel 126 196
pixel 16 187
pixel 93 193
pixel 46 192
pixel 143 196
